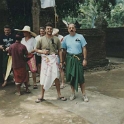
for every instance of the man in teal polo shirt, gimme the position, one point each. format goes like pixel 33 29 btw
pixel 75 46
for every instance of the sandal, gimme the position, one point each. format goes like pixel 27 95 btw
pixel 35 87
pixel 62 86
pixel 62 98
pixel 39 100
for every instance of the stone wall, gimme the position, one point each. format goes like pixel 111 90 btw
pixel 95 46
pixel 115 42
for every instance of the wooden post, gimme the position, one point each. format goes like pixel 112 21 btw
pixel 35 15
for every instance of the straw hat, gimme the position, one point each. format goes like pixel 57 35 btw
pixel 55 31
pixel 28 29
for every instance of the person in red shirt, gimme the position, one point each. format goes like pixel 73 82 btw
pixel 19 52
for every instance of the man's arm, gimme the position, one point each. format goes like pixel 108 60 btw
pixel 84 50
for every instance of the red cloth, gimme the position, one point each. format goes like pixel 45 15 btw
pixel 20 75
pixel 18 51
pixel 32 64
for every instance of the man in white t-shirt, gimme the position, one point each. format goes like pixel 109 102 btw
pixel 30 43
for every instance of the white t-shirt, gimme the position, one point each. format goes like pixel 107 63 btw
pixel 30 44
pixel 60 37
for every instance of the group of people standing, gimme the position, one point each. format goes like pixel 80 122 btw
pixel 47 54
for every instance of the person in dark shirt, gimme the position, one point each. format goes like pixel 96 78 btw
pixel 5 41
pixel 19 52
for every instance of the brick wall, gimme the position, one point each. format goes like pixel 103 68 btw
pixel 115 42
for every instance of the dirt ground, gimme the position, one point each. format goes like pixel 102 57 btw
pixel 104 88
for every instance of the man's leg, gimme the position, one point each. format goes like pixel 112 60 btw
pixel 82 86
pixel 4 83
pixel 41 95
pixel 28 83
pixel 26 86
pixel 62 79
pixel 57 83
pixel 18 86
pixel 72 97
pixel 34 80
pixel 42 92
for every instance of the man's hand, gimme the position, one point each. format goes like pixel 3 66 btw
pixel 61 64
pixel 84 63
pixel 46 52
pixel 1 47
pixel 7 48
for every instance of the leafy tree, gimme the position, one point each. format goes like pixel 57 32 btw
pixel 117 16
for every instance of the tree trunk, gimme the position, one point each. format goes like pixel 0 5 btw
pixel 35 15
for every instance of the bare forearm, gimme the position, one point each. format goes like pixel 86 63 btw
pixel 60 55
pixel 84 52
pixel 39 51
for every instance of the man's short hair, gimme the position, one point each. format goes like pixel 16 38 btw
pixel 19 36
pixel 72 24
pixel 7 26
pixel 42 28
pixel 49 24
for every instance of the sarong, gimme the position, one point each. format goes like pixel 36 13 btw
pixel 9 67
pixel 32 64
pixel 49 70
pixel 74 70
pixel 20 75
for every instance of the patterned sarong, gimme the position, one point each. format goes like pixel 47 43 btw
pixel 20 75
pixel 74 70
pixel 49 70
pixel 32 64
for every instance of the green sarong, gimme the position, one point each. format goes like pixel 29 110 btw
pixel 74 70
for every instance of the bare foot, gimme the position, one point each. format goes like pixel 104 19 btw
pixel 4 84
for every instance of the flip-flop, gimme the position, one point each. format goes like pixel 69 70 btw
pixel 61 87
pixel 35 87
pixel 62 98
pixel 39 100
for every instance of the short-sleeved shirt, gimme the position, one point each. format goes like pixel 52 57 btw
pixel 52 44
pixel 30 44
pixel 74 44
pixel 7 40
pixel 18 51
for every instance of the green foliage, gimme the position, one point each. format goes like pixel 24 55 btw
pixel 117 16
pixel 67 7
pixel 99 13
